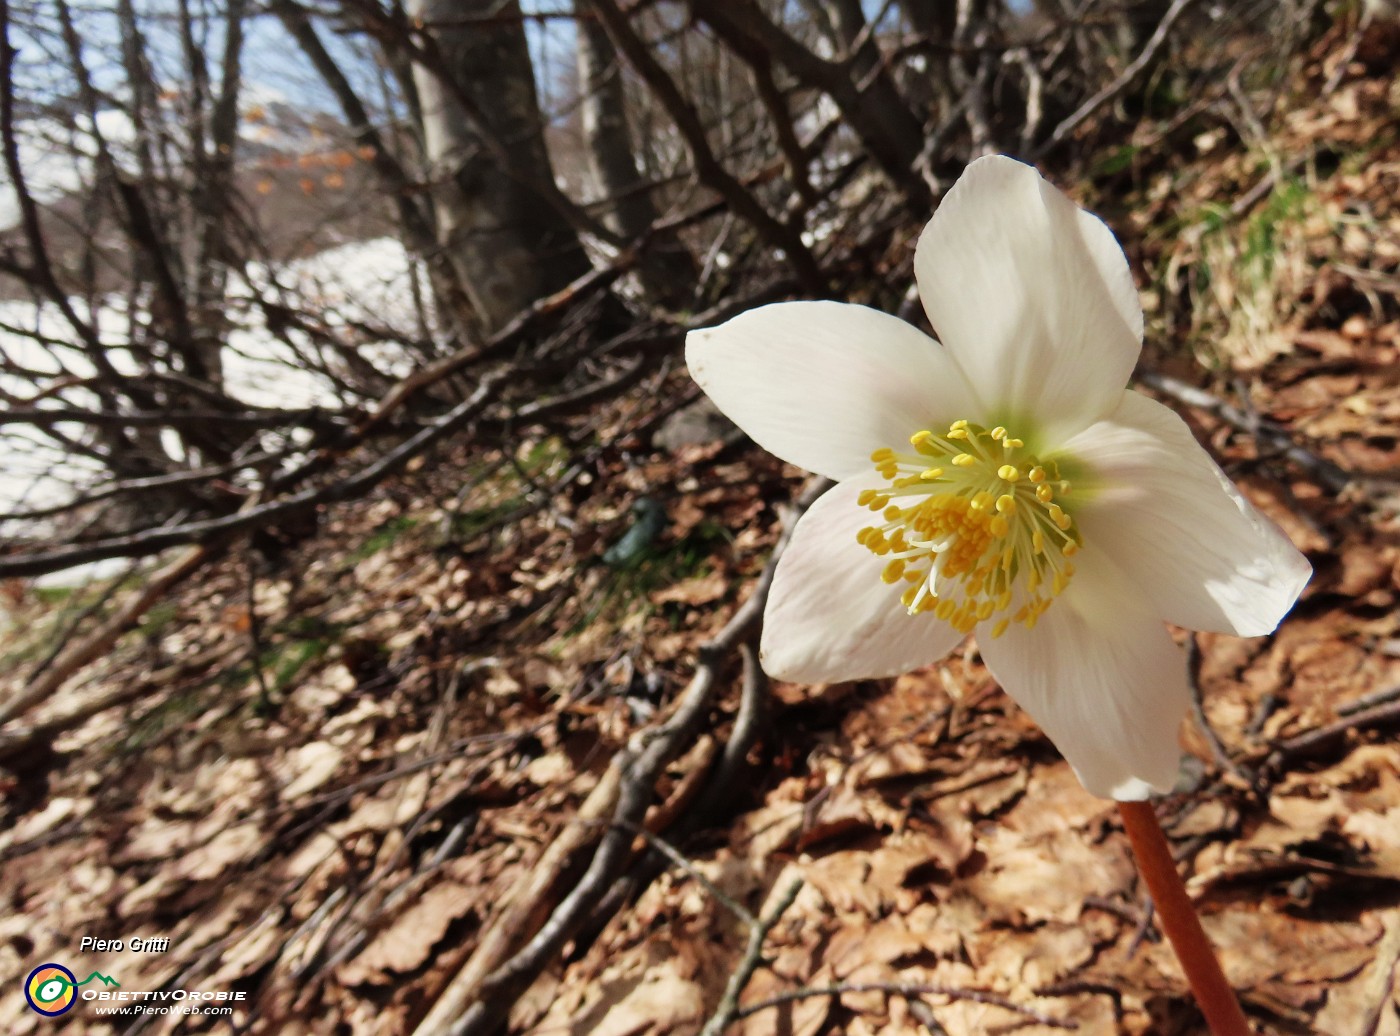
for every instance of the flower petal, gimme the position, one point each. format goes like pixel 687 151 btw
pixel 1032 297
pixel 830 617
pixel 1103 679
pixel 1165 512
pixel 823 384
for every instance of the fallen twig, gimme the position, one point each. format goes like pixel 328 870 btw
pixel 1367 701
pixel 80 654
pixel 1121 82
pixel 908 990
pixel 1198 710
pixel 673 854
pixel 759 927
pixel 1323 739
pixel 482 992
pixel 20 738
pixel 1328 475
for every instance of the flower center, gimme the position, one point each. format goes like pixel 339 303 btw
pixel 973 525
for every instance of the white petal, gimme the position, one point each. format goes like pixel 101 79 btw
pixel 829 616
pixel 1103 679
pixel 823 384
pixel 1032 297
pixel 1167 514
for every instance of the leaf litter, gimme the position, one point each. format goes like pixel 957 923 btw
pixel 330 820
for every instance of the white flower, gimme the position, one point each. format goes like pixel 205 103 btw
pixel 1003 481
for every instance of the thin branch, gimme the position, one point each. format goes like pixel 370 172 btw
pixel 1217 747
pixel 673 854
pixel 1331 477
pixel 707 167
pixel 97 642
pixel 1325 739
pixel 1120 83
pixel 475 1004
pixel 910 991
pixel 728 1009
pixel 152 541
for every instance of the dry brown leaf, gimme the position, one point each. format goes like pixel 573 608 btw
pixel 661 1003
pixel 1260 950
pixel 407 943
pixel 548 769
pixel 805 1017
pixel 884 942
pixel 842 812
pixel 1038 957
pixel 310 767
pixel 1047 878
pixel 897 761
pixel 1368 1004
pixel 1378 834
pixel 768 829
pixel 232 845
pixel 259 945
pixel 55 812
pixel 695 591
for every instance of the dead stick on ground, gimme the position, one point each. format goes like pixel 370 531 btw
pixel 189 561
pixel 1326 738
pixel 673 854
pixel 20 738
pixel 759 927
pixel 1328 475
pixel 1198 709
pixel 910 991
pixel 525 903
pixel 719 790
pixel 480 996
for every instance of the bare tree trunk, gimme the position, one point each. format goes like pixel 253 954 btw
pixel 932 91
pixel 890 132
pixel 213 200
pixel 1137 22
pixel 508 246
pixel 630 211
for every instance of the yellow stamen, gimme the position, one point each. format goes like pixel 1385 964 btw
pixel 969 530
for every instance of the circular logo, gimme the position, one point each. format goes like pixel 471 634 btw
pixel 50 989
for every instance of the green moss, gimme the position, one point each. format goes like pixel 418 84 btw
pixel 159 616
pixel 383 538
pixel 1115 161
pixel 628 589
pixel 469 524
pixel 175 710
pixel 291 658
pixel 1287 204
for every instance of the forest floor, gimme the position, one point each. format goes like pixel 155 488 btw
pixel 328 764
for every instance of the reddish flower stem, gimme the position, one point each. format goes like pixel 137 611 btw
pixel 1177 916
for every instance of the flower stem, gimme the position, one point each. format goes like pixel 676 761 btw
pixel 1178 918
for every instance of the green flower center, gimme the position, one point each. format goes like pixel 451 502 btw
pixel 974 525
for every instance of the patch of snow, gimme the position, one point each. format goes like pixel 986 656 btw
pixel 364 282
